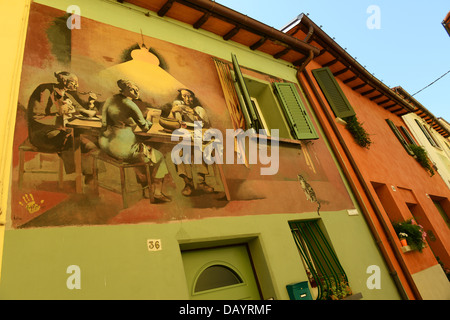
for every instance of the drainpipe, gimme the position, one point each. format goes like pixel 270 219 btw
pixel 366 214
pixel 311 52
pixel 309 35
pixel 305 62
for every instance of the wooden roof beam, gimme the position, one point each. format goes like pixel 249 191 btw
pixel 231 33
pixel 390 106
pixel 202 20
pixel 376 97
pixel 251 25
pixel 399 108
pixel 338 73
pixel 323 51
pixel 359 86
pixel 329 64
pixel 165 8
pixel 350 79
pixel 402 113
pixel 281 53
pixel 383 102
pixel 365 93
pixel 258 43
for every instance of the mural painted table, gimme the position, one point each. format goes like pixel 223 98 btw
pixel 156 134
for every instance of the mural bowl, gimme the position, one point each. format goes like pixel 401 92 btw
pixel 169 124
pixel 88 113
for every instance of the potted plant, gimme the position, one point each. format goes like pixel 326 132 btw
pixel 402 236
pixel 355 127
pixel 421 156
pixel 415 233
pixel 336 290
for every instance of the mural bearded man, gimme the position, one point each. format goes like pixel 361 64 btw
pixel 187 109
pixel 49 108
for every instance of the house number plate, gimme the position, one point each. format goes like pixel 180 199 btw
pixel 154 244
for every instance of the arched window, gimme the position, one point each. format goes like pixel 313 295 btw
pixel 216 276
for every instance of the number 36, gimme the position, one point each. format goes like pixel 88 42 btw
pixel 154 245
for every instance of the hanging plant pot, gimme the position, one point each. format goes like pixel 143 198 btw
pixel 403 242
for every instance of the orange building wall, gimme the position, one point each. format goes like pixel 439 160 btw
pixel 383 239
pixel 387 162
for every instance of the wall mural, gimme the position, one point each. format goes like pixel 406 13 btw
pixel 100 98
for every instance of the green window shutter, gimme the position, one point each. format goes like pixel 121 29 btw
pixel 399 137
pixel 333 93
pixel 427 134
pixel 299 121
pixel 408 135
pixel 244 98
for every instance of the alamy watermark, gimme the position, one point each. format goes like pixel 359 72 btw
pixel 208 147
pixel 74 20
pixel 374 20
pixel 74 280
pixel 374 280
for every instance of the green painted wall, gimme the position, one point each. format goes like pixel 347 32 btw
pixel 115 262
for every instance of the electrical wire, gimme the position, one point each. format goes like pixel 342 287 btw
pixel 431 83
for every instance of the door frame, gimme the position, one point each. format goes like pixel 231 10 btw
pixel 248 242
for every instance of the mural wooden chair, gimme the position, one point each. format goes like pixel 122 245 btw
pixel 122 166
pixel 25 147
pixel 213 172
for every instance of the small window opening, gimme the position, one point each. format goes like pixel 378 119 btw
pixel 216 276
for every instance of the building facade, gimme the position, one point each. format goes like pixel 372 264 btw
pixel 381 160
pixel 424 132
pixel 255 217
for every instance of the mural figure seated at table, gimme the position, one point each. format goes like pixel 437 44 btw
pixel 186 108
pixel 120 115
pixel 50 106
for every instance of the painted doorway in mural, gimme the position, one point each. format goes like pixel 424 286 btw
pixel 223 273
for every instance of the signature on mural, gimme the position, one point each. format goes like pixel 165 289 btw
pixel 30 204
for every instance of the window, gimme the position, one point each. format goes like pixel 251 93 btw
pixel 295 111
pixel 427 134
pixel 216 276
pixel 261 120
pixel 400 137
pixel 441 210
pixel 323 268
pixel 333 93
pixel 268 113
pixel 408 136
pixel 262 110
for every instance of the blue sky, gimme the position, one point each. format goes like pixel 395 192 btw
pixel 410 48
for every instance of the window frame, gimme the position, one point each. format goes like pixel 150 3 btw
pixel 200 278
pixel 408 135
pixel 428 135
pixel 399 136
pixel 260 115
pixel 251 113
pixel 440 208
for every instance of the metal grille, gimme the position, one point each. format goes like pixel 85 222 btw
pixel 322 265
